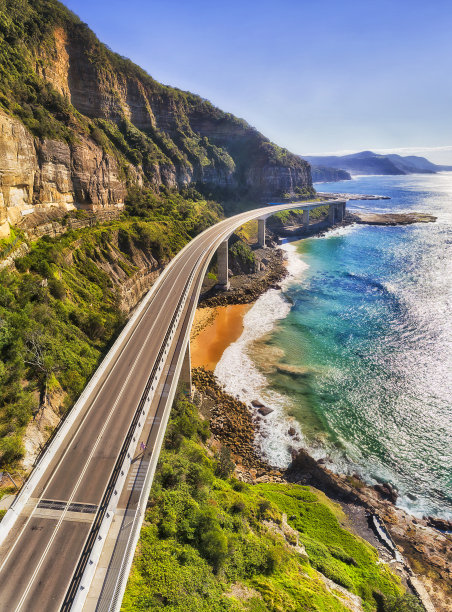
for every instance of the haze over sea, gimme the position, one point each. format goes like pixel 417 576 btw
pixel 363 323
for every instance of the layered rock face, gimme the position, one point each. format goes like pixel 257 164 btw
pixel 17 170
pixel 116 127
pixel 42 173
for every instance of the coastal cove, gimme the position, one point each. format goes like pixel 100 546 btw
pixel 346 313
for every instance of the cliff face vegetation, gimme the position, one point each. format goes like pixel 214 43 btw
pixel 67 298
pixel 79 125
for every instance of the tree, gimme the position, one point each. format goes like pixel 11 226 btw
pixel 41 358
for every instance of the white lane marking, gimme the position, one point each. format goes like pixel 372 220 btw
pixel 30 584
pixel 77 432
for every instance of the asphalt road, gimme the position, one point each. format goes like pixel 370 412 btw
pixel 41 552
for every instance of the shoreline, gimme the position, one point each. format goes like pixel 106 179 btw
pixel 422 541
pixel 414 548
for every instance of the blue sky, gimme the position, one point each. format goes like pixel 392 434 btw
pixel 316 76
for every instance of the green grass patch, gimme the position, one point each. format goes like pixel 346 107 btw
pixel 205 531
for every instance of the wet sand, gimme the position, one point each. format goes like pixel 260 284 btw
pixel 214 329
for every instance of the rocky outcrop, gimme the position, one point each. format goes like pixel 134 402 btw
pixel 423 542
pixel 50 173
pixel 17 170
pixel 392 218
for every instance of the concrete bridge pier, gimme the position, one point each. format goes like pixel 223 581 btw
pixel 340 211
pixel 331 213
pixel 261 232
pixel 223 264
pixel 305 219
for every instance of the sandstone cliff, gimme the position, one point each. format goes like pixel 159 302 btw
pixel 38 173
pixel 80 124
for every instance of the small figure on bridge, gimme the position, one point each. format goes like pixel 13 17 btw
pixel 143 446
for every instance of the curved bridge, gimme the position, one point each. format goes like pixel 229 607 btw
pixel 68 540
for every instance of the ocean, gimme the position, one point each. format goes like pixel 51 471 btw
pixel 354 355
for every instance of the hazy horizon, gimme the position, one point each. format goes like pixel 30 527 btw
pixel 313 77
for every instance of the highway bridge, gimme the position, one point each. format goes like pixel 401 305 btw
pixel 68 540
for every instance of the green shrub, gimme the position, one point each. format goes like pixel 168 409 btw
pixel 398 603
pixel 214 546
pixel 225 465
pixel 273 560
pixel 238 507
pixel 263 508
pixel 57 288
pixel 11 449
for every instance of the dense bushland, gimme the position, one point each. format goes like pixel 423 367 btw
pixel 59 309
pixel 208 538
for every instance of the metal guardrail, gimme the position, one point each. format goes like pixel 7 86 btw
pixel 102 526
pixel 110 490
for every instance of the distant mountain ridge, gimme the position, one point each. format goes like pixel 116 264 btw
pixel 368 162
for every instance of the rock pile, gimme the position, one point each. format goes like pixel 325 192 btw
pixel 231 424
pixel 248 287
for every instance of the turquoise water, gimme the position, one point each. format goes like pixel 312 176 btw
pixel 370 337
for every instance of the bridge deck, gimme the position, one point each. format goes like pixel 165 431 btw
pixel 40 552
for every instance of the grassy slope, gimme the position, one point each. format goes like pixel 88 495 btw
pixel 59 309
pixel 204 532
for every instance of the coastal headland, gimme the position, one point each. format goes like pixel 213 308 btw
pixel 417 549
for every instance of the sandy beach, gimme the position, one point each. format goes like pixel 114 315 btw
pixel 214 329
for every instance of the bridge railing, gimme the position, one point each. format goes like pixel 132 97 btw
pixel 89 557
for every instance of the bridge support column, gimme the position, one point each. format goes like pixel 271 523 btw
pixel 261 232
pixel 305 219
pixel 331 210
pixel 223 264
pixel 185 373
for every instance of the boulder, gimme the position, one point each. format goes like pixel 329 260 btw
pixel 264 411
pixel 438 523
pixel 387 491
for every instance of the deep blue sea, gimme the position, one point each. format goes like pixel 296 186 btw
pixel 360 355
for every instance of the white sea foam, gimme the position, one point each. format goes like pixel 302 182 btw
pixel 241 378
pixel 338 231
